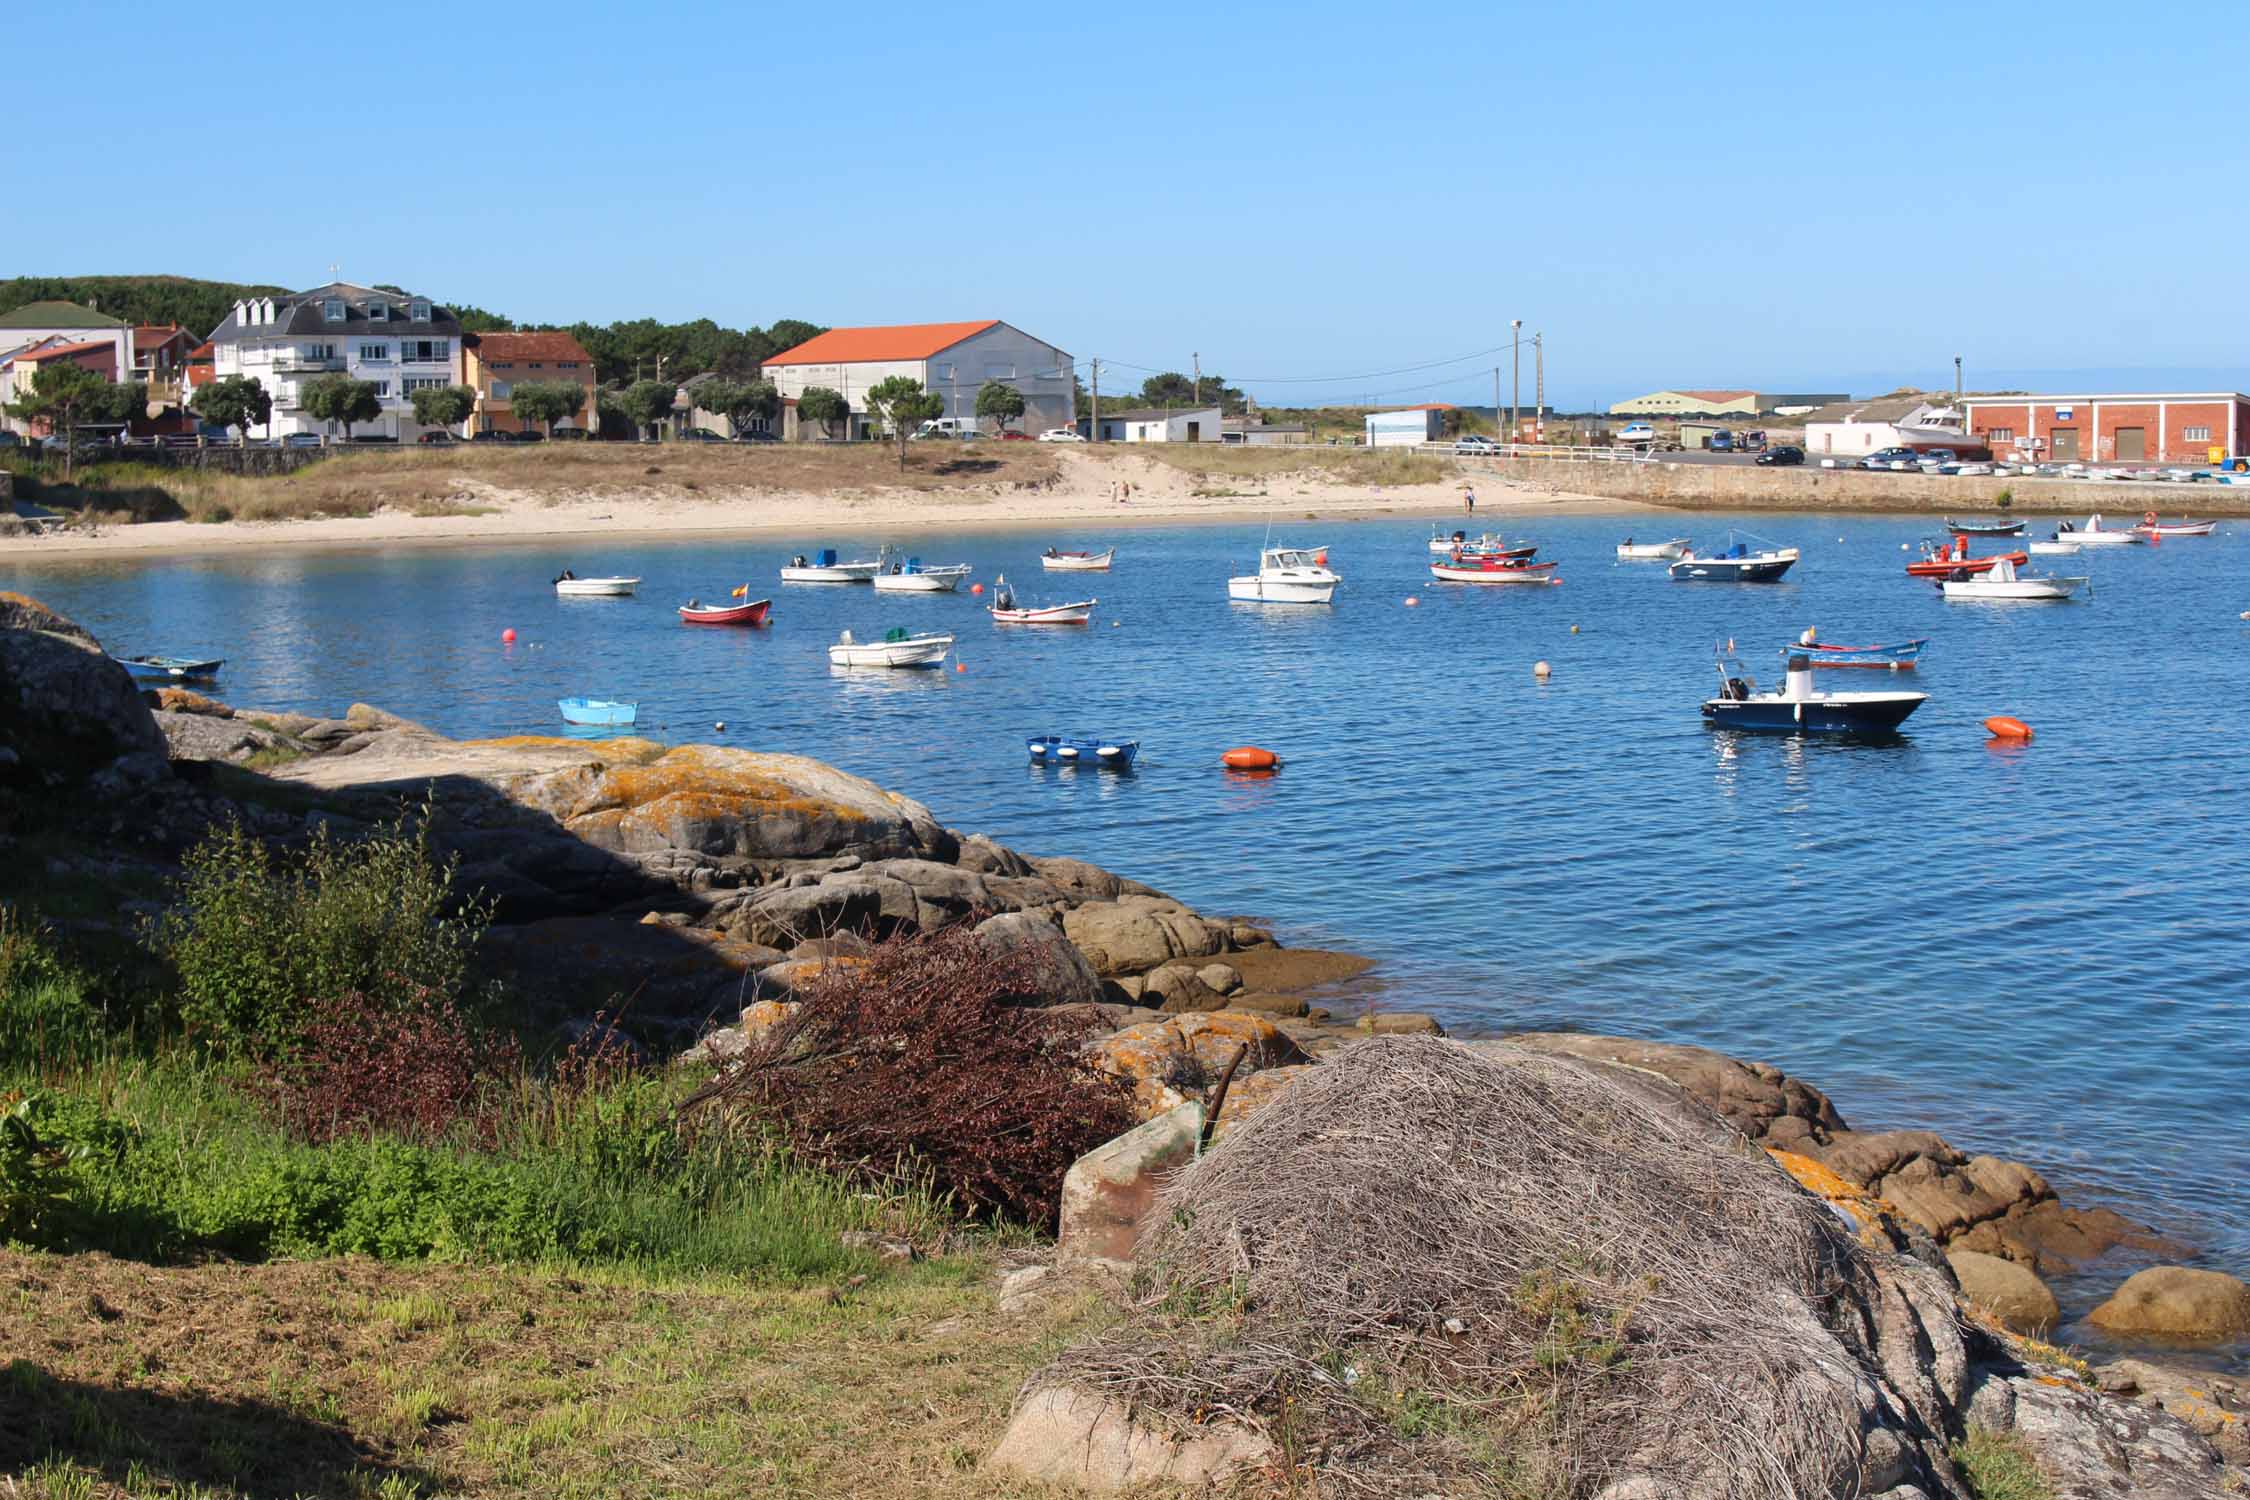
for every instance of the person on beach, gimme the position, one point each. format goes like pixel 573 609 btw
pixel 1469 498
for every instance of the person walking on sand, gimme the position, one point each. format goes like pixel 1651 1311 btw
pixel 1469 498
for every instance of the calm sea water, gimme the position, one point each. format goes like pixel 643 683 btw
pixel 2040 950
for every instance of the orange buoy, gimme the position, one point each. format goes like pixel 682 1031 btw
pixel 960 666
pixel 1411 601
pixel 1250 758
pixel 976 588
pixel 2001 726
pixel 508 636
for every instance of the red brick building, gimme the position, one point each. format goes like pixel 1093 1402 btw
pixel 2194 427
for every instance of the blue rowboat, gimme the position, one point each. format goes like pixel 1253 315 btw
pixel 1062 750
pixel 167 668
pixel 1900 657
pixel 597 711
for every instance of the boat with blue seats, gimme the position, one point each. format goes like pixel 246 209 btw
pixel 1082 750
pixel 1798 707
pixel 1898 657
pixel 1736 563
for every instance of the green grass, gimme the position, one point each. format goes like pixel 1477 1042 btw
pixel 1998 1466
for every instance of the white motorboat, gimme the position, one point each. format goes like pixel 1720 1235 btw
pixel 2056 548
pixel 895 649
pixel 2092 534
pixel 2002 581
pixel 1077 562
pixel 1287 575
pixel 1632 551
pixel 910 577
pixel 822 567
pixel 1445 544
pixel 587 588
pixel 1045 614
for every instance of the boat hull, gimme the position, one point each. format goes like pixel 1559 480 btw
pixel 1462 571
pixel 2182 528
pixel 1058 614
pixel 1830 713
pixel 2012 588
pixel 1946 567
pixel 168 668
pixel 1984 528
pixel 1062 750
pixel 1078 562
pixel 1670 551
pixel 840 573
pixel 599 711
pixel 1763 568
pixel 595 588
pixel 1256 590
pixel 915 651
pixel 933 581
pixel 753 613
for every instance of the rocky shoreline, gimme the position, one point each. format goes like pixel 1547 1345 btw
pixel 702 884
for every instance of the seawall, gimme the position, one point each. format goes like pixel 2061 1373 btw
pixel 1742 487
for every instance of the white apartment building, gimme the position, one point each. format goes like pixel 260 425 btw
pixel 951 360
pixel 399 343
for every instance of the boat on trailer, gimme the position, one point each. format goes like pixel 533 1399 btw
pixel 1898 657
pixel 1798 707
pixel 695 612
pixel 1082 750
pixel 169 668
pixel 1671 551
pixel 1077 562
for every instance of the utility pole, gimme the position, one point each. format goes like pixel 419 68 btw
pixel 1515 391
pixel 1094 424
pixel 1496 402
pixel 1539 388
pixel 1198 359
pixel 1957 382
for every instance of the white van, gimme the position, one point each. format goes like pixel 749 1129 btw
pixel 947 427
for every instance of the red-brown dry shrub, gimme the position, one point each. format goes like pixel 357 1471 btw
pixel 365 1066
pixel 911 1064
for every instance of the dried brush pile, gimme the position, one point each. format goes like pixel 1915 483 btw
pixel 1437 1270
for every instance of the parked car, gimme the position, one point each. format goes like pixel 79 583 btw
pixel 1750 442
pixel 1637 434
pixel 436 438
pixel 700 435
pixel 1887 458
pixel 1475 442
pixel 1061 435
pixel 1786 454
pixel 531 435
pixel 756 437
pixel 302 440
pixel 1721 441
pixel 567 435
pixel 492 436
pixel 1009 435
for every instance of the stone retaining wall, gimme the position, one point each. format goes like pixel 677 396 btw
pixel 1741 487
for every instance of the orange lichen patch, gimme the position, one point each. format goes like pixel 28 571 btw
pixel 1878 1222
pixel 761 1016
pixel 180 700
pixel 1246 1096
pixel 626 750
pixel 1814 1178
pixel 694 782
pixel 1169 1061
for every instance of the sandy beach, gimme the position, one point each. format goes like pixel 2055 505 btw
pixel 1080 495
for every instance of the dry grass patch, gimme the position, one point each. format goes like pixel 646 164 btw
pixel 352 1378
pixel 1327 465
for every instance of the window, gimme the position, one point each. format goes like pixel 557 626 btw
pixel 999 372
pixel 332 310
pixel 500 390
pixel 425 351
pixel 945 372
pixel 426 383
pixel 505 364
pixel 378 311
pixel 566 364
pixel 420 310
pixel 383 389
pixel 380 353
pixel 320 351
pixel 1999 434
pixel 2196 434
pixel 537 366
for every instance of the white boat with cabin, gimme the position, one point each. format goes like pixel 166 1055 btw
pixel 822 567
pixel 910 577
pixel 1287 575
pixel 2001 581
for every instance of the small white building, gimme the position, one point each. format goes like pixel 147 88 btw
pixel 1856 430
pixel 1407 427
pixel 951 360
pixel 400 343
pixel 1200 424
pixel 39 322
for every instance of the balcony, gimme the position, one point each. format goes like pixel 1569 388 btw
pixel 305 364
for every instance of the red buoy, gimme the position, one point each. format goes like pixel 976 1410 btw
pixel 508 636
pixel 1250 758
pixel 2001 726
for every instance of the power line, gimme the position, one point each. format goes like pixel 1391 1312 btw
pixel 1435 364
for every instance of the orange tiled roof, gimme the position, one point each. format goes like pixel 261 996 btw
pixel 846 346
pixel 157 331
pixel 58 351
pixel 501 348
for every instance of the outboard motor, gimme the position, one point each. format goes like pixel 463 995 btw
pixel 1799 686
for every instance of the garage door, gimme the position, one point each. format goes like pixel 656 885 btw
pixel 2132 442
pixel 2064 443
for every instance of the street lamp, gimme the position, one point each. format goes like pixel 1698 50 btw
pixel 1515 391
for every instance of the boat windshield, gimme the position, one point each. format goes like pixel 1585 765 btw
pixel 1292 557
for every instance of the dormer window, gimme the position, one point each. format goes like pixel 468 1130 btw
pixel 378 311
pixel 332 310
pixel 420 310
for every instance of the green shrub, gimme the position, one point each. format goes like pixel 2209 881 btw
pixel 1998 1466
pixel 35 1176
pixel 258 944
pixel 50 1010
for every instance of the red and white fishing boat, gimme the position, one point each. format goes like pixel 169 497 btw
pixel 1492 567
pixel 2152 528
pixel 1950 559
pixel 754 613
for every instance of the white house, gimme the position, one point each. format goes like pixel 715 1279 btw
pixel 1201 424
pixel 951 360
pixel 400 343
pixel 1854 430
pixel 38 322
pixel 1406 428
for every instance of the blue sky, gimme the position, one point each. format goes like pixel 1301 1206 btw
pixel 1793 198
